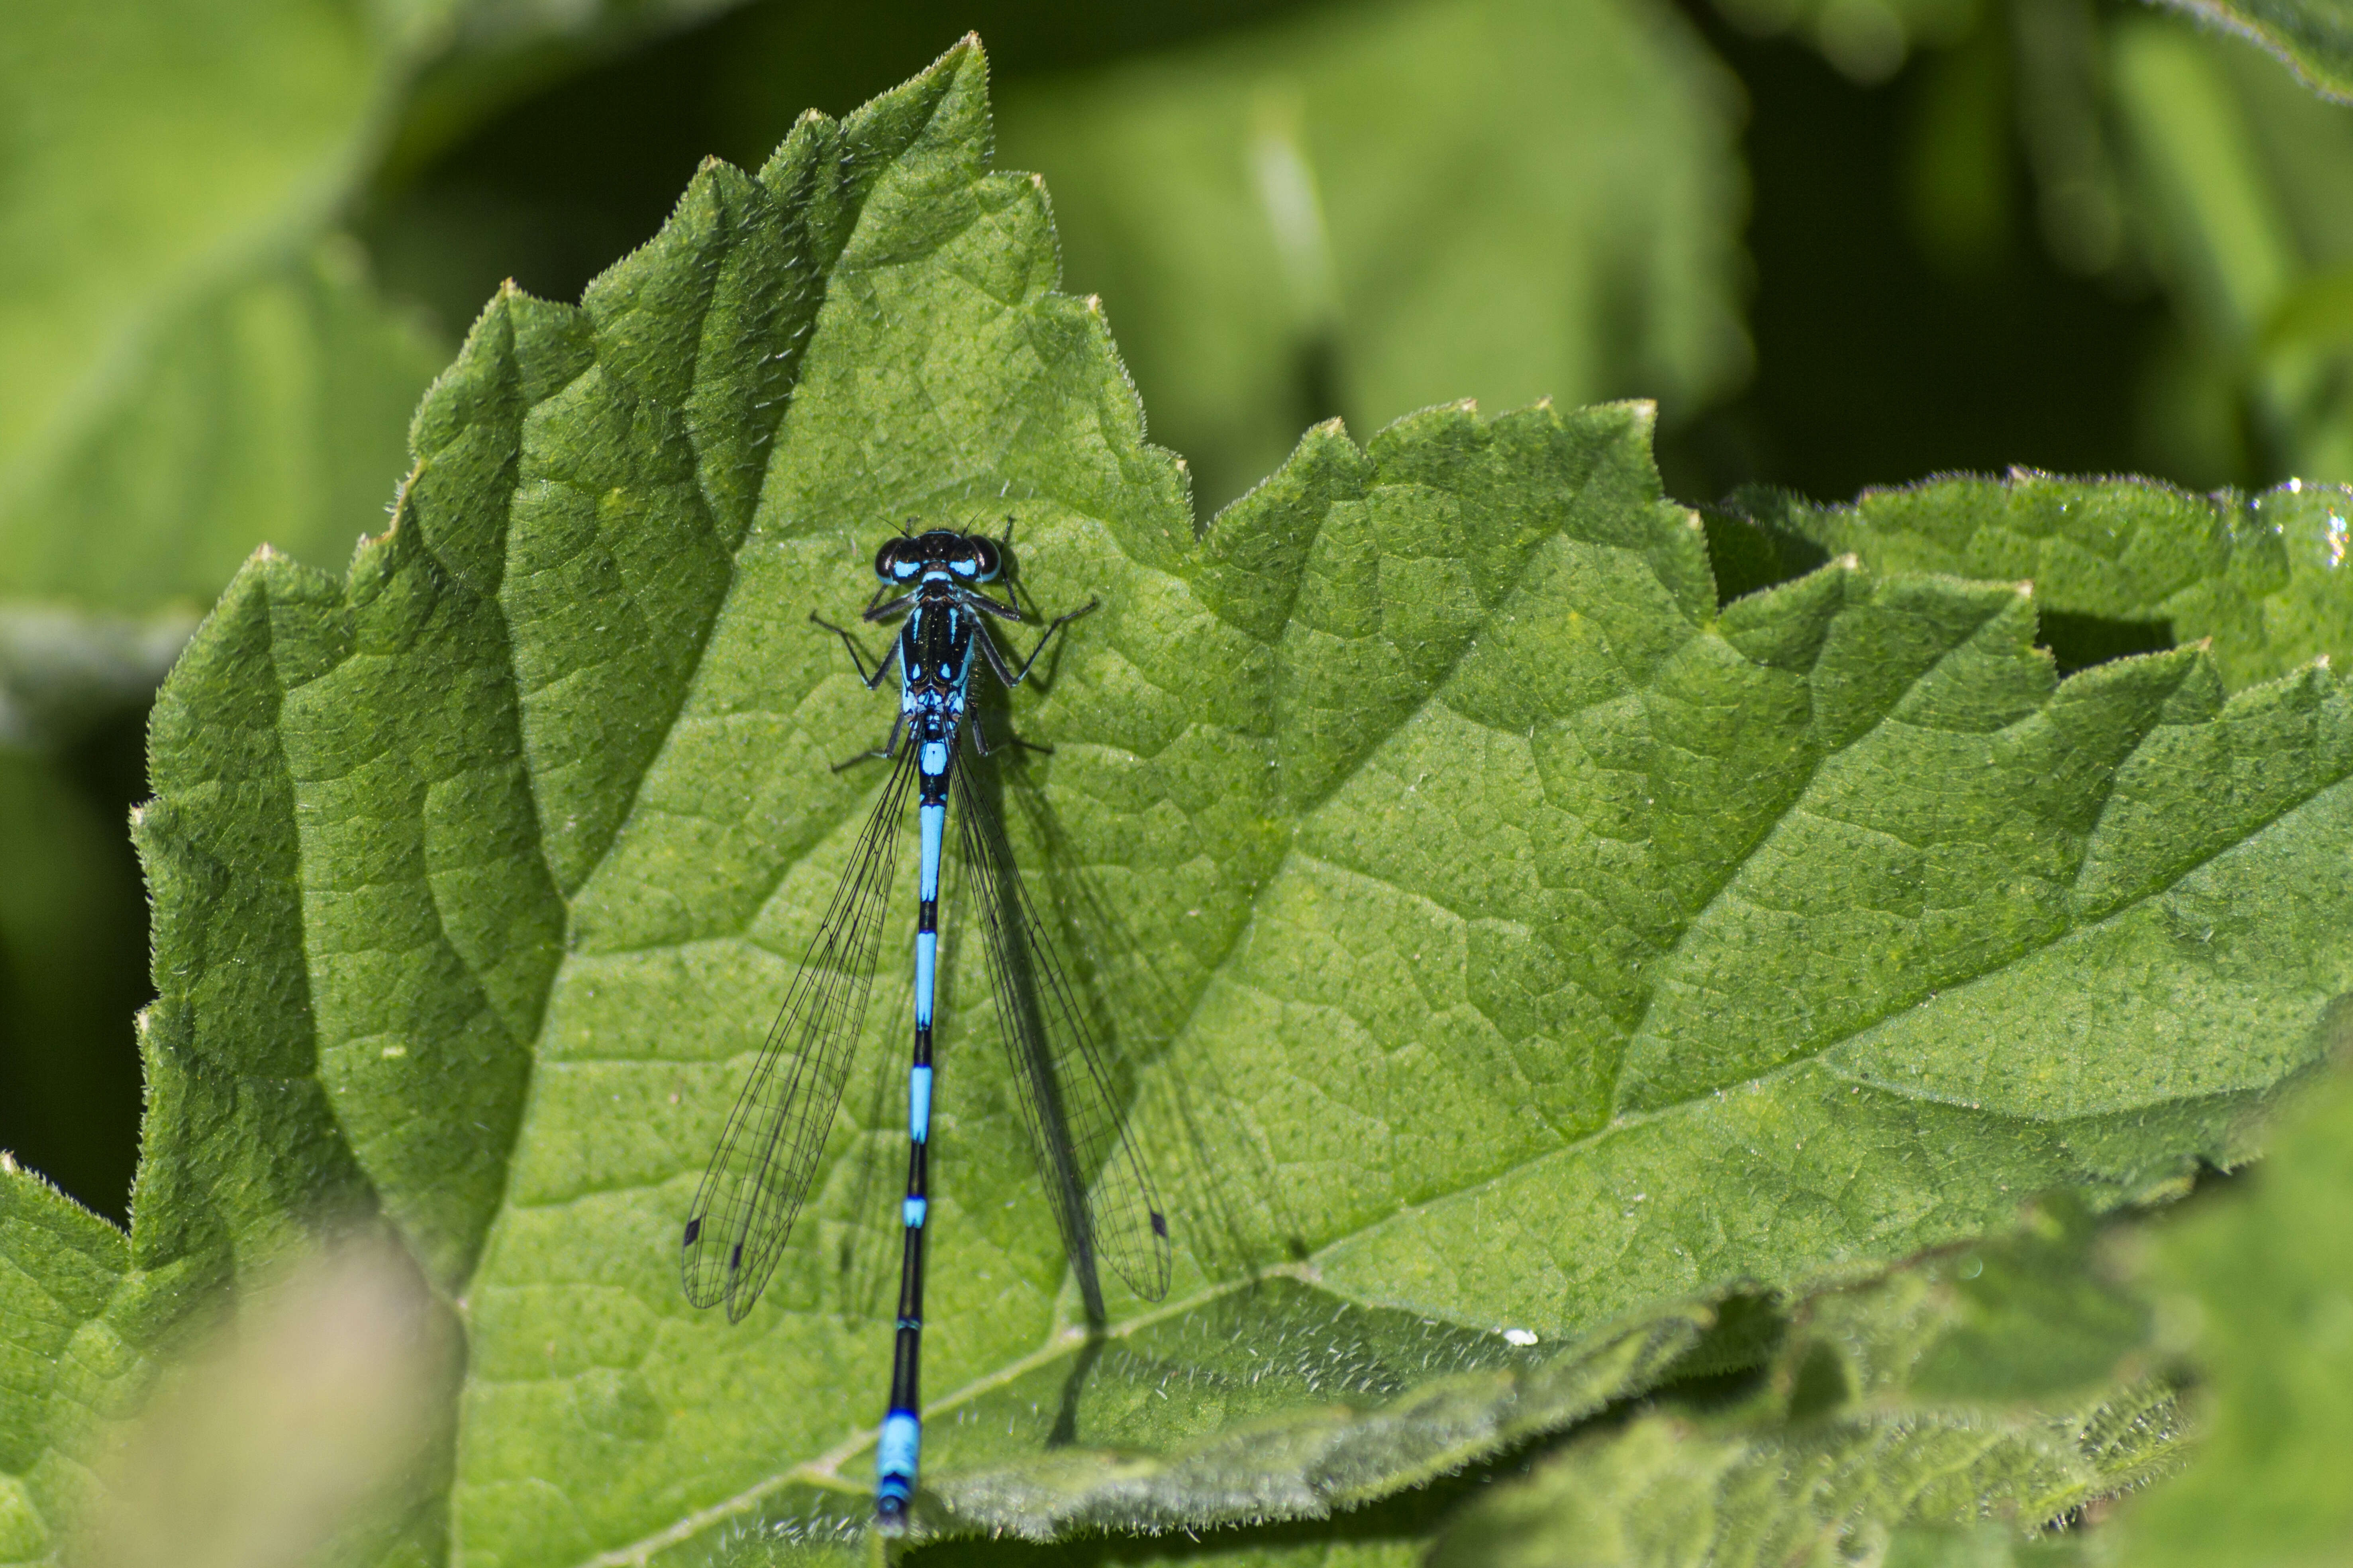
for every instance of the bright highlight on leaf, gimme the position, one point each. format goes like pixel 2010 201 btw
pixel 1512 956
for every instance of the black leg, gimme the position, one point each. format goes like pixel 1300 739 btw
pixel 858 658
pixel 997 658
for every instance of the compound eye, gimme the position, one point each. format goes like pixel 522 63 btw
pixel 987 560
pixel 886 560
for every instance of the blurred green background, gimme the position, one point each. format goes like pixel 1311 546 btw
pixel 1841 242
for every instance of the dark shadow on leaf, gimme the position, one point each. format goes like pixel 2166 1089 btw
pixel 1066 1417
pixel 1226 1199
pixel 1730 1360
pixel 1748 549
pixel 2078 642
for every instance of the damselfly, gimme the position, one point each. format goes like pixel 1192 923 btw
pixel 1101 1197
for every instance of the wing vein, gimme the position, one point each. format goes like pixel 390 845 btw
pixel 760 1173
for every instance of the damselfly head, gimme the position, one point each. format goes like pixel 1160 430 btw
pixel 968 557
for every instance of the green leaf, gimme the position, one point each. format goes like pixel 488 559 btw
pixel 191 362
pixel 1366 213
pixel 2262 1289
pixel 69 1359
pixel 2314 39
pixel 182 156
pixel 2000 1383
pixel 1508 954
pixel 270 410
pixel 2264 583
pixel 2244 187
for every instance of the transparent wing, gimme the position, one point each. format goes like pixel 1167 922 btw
pixel 758 1175
pixel 1101 1195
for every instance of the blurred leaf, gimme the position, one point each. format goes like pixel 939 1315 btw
pixel 1960 189
pixel 2264 1281
pixel 2245 186
pixel 70 1358
pixel 59 667
pixel 190 363
pixel 2063 122
pixel 1736 951
pixel 290 1434
pixel 273 410
pixel 159 156
pixel 1363 212
pixel 2229 250
pixel 2266 581
pixel 1867 40
pixel 2004 1383
pixel 2314 39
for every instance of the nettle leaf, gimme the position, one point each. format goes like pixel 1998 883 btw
pixel 72 1359
pixel 1953 1407
pixel 2260 1278
pixel 2118 566
pixel 1509 954
pixel 2311 37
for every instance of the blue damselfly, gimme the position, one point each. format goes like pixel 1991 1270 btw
pixel 1102 1197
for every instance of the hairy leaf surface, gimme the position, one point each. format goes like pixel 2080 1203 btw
pixel 2263 582
pixel 71 1358
pixel 1956 1406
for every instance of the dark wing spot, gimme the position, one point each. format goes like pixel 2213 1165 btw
pixel 693 1229
pixel 1159 1224
pixel 735 1257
